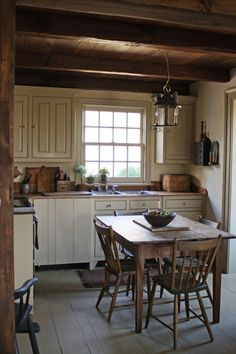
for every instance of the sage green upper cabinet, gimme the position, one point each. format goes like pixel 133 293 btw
pixel 52 127
pixel 175 144
pixel 21 126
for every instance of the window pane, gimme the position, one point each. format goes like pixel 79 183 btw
pixel 91 118
pixel 120 119
pixel 91 135
pixel 106 153
pixel 106 119
pixel 91 152
pixel 120 153
pixel 105 135
pixel 120 135
pixel 134 120
pixel 92 168
pixel 134 153
pixel 133 136
pixel 120 169
pixel 134 170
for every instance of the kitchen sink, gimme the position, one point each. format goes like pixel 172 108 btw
pixel 125 193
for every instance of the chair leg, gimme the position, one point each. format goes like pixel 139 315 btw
pixel 133 286
pixel 104 287
pixel 148 283
pixel 150 303
pixel 128 285
pixel 186 300
pixel 32 336
pixel 16 346
pixel 204 314
pixel 114 296
pixel 175 319
pixel 209 295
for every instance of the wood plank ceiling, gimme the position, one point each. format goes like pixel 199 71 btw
pixel 122 45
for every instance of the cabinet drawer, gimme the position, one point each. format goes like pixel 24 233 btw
pixel 145 204
pixel 181 203
pixel 191 214
pixel 110 205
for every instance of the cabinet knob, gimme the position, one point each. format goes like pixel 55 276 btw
pixel 143 204
pixel 108 205
pixel 22 126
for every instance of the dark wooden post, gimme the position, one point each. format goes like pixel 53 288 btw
pixel 7 40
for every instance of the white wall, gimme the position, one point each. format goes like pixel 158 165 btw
pixel 211 107
pixel 153 170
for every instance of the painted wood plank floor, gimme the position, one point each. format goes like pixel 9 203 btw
pixel 70 323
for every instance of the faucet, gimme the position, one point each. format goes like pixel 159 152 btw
pixel 113 188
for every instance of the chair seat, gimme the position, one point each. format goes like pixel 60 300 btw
pixel 126 253
pixel 165 280
pixel 24 328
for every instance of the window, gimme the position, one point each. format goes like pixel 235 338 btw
pixel 113 137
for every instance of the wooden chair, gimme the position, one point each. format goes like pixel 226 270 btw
pixel 23 322
pixel 155 263
pixel 113 266
pixel 123 250
pixel 191 277
pixel 167 262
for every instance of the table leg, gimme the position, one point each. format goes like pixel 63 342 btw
pixel 139 289
pixel 217 269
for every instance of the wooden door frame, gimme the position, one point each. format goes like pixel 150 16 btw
pixel 230 97
pixel 7 54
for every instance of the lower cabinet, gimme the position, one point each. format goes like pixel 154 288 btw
pixel 64 231
pixel 83 230
pixel 189 206
pixel 23 250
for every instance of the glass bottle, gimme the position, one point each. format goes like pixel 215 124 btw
pixel 202 131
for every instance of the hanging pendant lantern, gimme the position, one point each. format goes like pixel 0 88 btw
pixel 166 107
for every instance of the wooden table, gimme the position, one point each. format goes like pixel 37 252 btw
pixel 147 244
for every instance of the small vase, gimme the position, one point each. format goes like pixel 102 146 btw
pixel 25 188
pixel 104 179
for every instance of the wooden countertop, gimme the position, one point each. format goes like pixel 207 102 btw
pixel 99 195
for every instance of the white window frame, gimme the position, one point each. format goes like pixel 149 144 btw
pixel 115 107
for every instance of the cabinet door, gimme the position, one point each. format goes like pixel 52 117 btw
pixel 21 126
pixel 83 230
pixel 52 127
pixel 44 213
pixel 175 144
pixel 64 231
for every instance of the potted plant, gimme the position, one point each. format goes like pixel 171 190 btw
pixel 81 170
pixel 103 173
pixel 90 179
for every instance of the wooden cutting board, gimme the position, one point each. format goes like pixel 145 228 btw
pixel 33 171
pixel 46 181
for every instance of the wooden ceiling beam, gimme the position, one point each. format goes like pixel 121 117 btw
pixel 205 21
pixel 119 67
pixel 72 26
pixel 60 79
